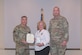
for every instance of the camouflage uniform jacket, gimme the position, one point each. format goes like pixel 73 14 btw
pixel 58 29
pixel 19 33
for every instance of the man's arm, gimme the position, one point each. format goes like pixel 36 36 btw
pixel 66 29
pixel 50 27
pixel 66 32
pixel 16 35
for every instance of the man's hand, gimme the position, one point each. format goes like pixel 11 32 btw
pixel 64 43
pixel 23 41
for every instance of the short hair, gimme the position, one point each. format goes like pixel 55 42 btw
pixel 57 8
pixel 44 25
pixel 24 17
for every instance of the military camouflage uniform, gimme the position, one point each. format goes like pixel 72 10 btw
pixel 58 29
pixel 19 33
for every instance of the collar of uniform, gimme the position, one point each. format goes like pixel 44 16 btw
pixel 22 26
pixel 57 17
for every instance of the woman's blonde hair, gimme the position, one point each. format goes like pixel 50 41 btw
pixel 44 25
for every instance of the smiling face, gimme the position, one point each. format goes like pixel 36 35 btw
pixel 24 21
pixel 41 25
pixel 56 11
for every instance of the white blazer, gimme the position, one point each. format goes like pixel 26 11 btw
pixel 42 36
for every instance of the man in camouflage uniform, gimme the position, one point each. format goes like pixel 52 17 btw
pixel 59 35
pixel 19 35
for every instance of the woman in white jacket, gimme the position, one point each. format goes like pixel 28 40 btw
pixel 42 39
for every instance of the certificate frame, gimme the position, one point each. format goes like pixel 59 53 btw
pixel 29 38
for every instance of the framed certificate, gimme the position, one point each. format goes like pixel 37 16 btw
pixel 30 38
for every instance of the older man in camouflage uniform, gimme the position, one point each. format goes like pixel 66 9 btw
pixel 19 35
pixel 58 29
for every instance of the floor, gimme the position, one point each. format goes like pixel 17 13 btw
pixel 12 52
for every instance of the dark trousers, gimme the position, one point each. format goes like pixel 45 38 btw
pixel 45 51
